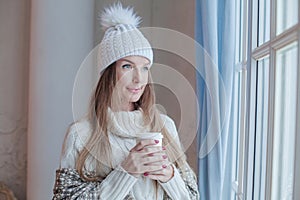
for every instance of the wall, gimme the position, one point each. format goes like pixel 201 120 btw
pixel 60 38
pixel 178 16
pixel 14 78
pixel 14 53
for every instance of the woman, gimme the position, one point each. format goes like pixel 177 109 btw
pixel 101 158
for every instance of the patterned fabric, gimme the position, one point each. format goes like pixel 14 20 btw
pixel 190 182
pixel 69 185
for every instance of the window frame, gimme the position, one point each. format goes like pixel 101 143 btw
pixel 297 157
pixel 240 96
pixel 253 55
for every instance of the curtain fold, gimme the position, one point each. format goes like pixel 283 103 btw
pixel 215 32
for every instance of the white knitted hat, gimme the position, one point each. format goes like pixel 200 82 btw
pixel 122 37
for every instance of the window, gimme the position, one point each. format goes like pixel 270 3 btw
pixel 284 122
pixel 270 164
pixel 239 98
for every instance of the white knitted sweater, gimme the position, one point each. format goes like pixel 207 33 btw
pixel 122 128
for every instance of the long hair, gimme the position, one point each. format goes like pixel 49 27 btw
pixel 97 147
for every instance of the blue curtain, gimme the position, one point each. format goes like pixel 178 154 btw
pixel 215 33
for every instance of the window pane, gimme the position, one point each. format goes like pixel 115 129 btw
pixel 284 122
pixel 264 21
pixel 238 32
pixel 241 31
pixel 287 14
pixel 261 128
pixel 236 130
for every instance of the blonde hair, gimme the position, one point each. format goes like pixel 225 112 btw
pixel 98 147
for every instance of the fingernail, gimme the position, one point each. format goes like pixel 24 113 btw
pixel 165 156
pixel 156 141
pixel 146 174
pixel 163 148
pixel 164 166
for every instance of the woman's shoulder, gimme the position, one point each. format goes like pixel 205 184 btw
pixel 169 124
pixel 164 116
pixel 79 126
pixel 80 129
pixel 167 119
pixel 76 137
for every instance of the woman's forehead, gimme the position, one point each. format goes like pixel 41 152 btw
pixel 136 60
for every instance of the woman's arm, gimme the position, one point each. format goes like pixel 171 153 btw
pixel 183 185
pixel 69 184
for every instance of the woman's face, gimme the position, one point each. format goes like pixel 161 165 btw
pixel 132 76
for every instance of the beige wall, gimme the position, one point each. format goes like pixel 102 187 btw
pixel 178 16
pixel 14 54
pixel 14 70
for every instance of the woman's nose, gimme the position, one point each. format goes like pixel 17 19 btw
pixel 136 76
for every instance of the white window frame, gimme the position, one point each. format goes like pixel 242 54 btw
pixel 297 150
pixel 240 109
pixel 268 48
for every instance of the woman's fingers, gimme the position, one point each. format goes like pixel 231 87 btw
pixel 145 157
pixel 154 168
pixel 138 161
pixel 162 175
pixel 144 143
pixel 155 159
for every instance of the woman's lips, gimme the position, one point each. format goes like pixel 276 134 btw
pixel 134 90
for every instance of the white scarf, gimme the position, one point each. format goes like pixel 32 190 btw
pixel 127 124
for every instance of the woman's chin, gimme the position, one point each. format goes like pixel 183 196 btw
pixel 134 98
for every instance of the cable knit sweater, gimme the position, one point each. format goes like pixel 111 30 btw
pixel 123 128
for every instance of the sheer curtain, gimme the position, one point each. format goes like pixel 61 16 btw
pixel 215 32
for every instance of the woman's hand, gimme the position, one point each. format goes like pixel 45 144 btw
pixel 163 175
pixel 148 160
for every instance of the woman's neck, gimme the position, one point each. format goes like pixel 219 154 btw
pixel 124 107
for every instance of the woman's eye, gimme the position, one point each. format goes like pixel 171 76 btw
pixel 146 68
pixel 127 66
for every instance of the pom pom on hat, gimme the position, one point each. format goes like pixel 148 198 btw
pixel 122 38
pixel 116 14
